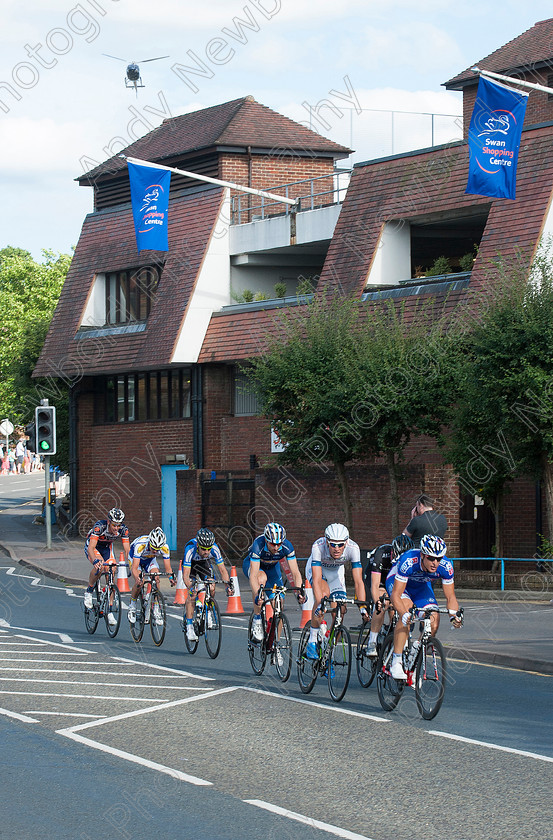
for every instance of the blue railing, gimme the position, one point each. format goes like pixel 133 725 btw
pixel 503 560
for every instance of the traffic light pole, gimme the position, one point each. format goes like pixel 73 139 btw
pixel 47 512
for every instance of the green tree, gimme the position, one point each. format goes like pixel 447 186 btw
pixel 29 292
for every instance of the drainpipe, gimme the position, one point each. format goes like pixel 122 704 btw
pixel 197 410
pixel 73 460
pixel 250 178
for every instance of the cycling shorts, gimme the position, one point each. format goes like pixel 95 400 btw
pixel 274 574
pixel 421 594
pixel 103 550
pixel 335 576
pixel 148 565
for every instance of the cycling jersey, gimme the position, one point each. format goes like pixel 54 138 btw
pixel 259 551
pixel 320 555
pixel 146 554
pixel 105 538
pixel 200 565
pixel 380 562
pixel 418 582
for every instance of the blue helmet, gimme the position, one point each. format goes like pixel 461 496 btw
pixel 274 533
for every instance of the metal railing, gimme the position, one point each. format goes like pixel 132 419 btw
pixel 503 560
pixel 310 193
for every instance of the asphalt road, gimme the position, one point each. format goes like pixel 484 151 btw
pixel 105 736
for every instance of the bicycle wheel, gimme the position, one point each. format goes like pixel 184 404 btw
pixel 282 648
pixel 307 668
pixel 339 664
pixel 389 690
pixel 158 618
pixel 256 650
pixel 366 665
pixel 213 630
pixel 92 615
pixel 430 677
pixel 137 629
pixel 113 606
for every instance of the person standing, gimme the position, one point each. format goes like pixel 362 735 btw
pixel 425 520
pixel 20 455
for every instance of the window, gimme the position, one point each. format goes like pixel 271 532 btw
pixel 246 400
pixel 129 294
pixel 137 397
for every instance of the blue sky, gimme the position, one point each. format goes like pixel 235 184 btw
pixel 68 107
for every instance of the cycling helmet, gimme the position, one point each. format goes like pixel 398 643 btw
pixel 433 546
pixel 274 533
pixel 116 515
pixel 400 544
pixel 205 538
pixel 157 538
pixel 337 533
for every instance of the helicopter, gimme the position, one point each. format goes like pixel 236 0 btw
pixel 132 77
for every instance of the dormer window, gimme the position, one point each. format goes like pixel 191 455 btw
pixel 129 294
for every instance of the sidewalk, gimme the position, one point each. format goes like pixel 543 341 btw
pixel 513 629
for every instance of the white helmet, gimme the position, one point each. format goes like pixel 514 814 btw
pixel 337 533
pixel 157 538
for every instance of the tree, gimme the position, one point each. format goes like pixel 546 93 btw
pixel 29 292
pixel 343 379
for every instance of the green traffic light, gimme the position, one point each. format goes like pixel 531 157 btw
pixel 44 445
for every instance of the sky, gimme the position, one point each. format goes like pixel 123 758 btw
pixel 64 106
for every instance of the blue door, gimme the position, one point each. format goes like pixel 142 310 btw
pixel 169 502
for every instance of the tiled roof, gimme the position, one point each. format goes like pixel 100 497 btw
pixel 107 243
pixel 532 48
pixel 242 122
pixel 428 182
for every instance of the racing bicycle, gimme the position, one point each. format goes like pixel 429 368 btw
pixel 150 609
pixel 367 665
pixel 424 662
pixel 334 652
pixel 276 643
pixel 105 600
pixel 206 619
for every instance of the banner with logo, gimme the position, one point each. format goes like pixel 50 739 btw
pixel 150 200
pixel 494 139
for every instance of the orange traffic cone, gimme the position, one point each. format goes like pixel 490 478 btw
pixel 181 592
pixel 122 576
pixel 307 607
pixel 234 605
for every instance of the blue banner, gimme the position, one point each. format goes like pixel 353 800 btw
pixel 494 139
pixel 150 200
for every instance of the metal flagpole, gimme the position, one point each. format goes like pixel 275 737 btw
pixel 219 183
pixel 513 81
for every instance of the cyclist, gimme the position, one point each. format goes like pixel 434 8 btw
pixel 409 583
pixel 98 550
pixel 380 562
pixel 196 563
pixel 143 557
pixel 325 571
pixel 262 566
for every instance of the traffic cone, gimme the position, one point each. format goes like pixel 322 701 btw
pixel 122 577
pixel 234 605
pixel 306 608
pixel 181 592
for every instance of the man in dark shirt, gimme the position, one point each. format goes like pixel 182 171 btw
pixel 425 520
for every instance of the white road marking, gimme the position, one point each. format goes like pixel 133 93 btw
pixel 491 746
pixel 51 653
pixel 81 671
pixel 338 709
pixel 164 668
pixel 136 759
pixel 23 718
pixel 86 696
pixel 95 682
pixel 291 815
pixel 62 636
pixel 64 714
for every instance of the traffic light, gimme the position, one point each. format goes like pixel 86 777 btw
pixel 45 421
pixel 30 432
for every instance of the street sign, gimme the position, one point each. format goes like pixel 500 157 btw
pixel 6 428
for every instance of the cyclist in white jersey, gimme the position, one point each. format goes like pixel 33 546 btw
pixel 326 574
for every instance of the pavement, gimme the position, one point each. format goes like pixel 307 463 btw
pixel 509 629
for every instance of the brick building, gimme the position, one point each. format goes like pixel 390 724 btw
pixel 162 421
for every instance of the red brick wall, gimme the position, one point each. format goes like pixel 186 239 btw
pixel 539 108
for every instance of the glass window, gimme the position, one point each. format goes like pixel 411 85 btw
pixel 153 412
pixel 128 398
pixel 163 395
pixel 129 294
pixel 141 398
pixel 121 398
pixel 245 398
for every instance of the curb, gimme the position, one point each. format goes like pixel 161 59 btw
pixel 504 660
pixel 52 575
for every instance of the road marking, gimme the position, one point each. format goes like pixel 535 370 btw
pixel 338 709
pixel 84 696
pixel 136 759
pixel 64 714
pixel 62 636
pixel 23 718
pixel 164 668
pixel 81 671
pixel 52 653
pixel 491 746
pixel 112 685
pixel 291 815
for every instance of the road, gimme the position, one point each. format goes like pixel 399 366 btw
pixel 105 736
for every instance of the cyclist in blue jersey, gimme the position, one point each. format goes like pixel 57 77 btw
pixel 98 550
pixel 199 553
pixel 262 567
pixel 143 556
pixel 409 583
pixel 325 570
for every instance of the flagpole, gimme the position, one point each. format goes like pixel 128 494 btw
pixel 513 81
pixel 273 196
